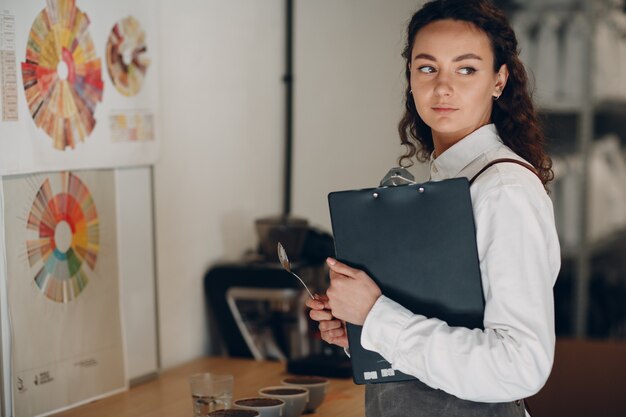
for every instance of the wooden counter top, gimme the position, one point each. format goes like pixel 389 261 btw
pixel 169 395
pixel 588 378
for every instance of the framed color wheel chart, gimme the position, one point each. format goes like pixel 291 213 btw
pixel 63 288
pixel 66 238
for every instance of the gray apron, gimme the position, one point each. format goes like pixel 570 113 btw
pixel 416 399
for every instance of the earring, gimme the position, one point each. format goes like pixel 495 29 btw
pixel 495 98
pixel 411 92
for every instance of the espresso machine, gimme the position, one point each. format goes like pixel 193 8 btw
pixel 259 307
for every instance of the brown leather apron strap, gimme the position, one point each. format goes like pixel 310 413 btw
pixel 501 160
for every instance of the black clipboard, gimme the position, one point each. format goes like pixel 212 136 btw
pixel 418 242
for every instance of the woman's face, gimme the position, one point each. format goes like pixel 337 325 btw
pixel 453 80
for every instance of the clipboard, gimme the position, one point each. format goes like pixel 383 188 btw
pixel 418 242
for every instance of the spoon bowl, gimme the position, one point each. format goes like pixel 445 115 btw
pixel 284 261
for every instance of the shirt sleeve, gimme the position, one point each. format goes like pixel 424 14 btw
pixel 512 357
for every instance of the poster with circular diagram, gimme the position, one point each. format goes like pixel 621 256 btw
pixel 127 57
pixel 86 93
pixel 62 74
pixel 63 287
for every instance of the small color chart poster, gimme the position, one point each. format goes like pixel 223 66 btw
pixel 127 58
pixel 63 289
pixel 72 67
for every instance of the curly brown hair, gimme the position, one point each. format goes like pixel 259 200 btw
pixel 514 114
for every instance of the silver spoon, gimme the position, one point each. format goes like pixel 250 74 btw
pixel 284 261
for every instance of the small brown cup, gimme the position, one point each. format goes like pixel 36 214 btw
pixel 316 385
pixel 233 413
pixel 267 407
pixel 295 398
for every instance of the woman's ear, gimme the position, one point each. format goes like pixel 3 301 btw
pixel 501 78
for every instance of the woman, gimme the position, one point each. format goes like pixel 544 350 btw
pixel 467 104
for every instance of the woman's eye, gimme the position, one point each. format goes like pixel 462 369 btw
pixel 467 70
pixel 426 69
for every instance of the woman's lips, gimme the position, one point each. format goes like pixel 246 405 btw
pixel 444 110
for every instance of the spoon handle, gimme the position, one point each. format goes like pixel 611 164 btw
pixel 303 284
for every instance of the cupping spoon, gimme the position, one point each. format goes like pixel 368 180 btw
pixel 284 261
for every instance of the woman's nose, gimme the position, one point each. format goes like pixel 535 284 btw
pixel 443 87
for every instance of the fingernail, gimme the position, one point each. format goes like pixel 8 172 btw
pixel 331 261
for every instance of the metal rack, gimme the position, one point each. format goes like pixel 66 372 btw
pixel 584 139
pixel 584 111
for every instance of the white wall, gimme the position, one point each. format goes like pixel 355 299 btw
pixel 222 130
pixel 221 107
pixel 221 156
pixel 348 97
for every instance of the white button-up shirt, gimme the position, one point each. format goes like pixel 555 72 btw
pixel 519 258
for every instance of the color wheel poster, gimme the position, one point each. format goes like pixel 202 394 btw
pixel 63 289
pixel 80 84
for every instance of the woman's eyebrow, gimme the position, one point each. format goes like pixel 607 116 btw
pixel 457 59
pixel 466 56
pixel 424 56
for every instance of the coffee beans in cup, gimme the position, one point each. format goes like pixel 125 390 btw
pixel 267 407
pixel 234 413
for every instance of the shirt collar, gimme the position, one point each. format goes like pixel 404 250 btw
pixel 450 163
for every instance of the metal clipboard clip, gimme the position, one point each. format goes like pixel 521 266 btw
pixel 397 176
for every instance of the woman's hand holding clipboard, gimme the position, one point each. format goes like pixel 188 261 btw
pixel 352 294
pixel 332 330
